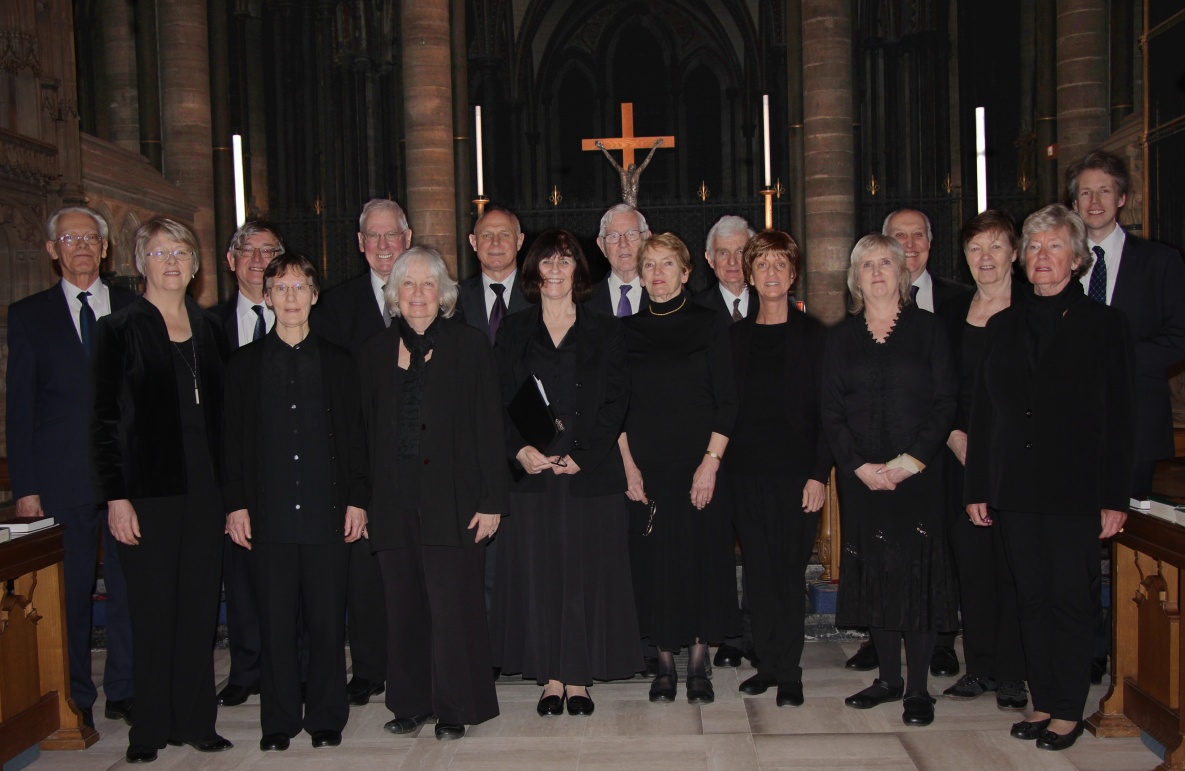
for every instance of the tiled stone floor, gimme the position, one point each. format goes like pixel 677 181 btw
pixel 627 732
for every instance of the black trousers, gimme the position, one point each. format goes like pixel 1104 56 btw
pixel 242 617
pixel 367 623
pixel 82 527
pixel 292 580
pixel 438 637
pixel 987 600
pixel 173 579
pixel 777 538
pixel 1055 561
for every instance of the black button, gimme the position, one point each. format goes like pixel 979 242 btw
pixel 425 461
pixel 423 426
pixel 577 413
pixel 1028 413
pixel 1028 445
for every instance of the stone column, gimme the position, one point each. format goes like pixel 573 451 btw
pixel 120 85
pixel 148 82
pixel 1082 79
pixel 187 156
pixel 828 153
pixel 428 108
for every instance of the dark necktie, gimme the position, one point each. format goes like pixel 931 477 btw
pixel 913 294
pixel 1098 277
pixel 623 305
pixel 86 321
pixel 498 312
pixel 736 309
pixel 260 323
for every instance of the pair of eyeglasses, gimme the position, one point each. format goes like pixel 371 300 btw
pixel 90 239
pixel 630 235
pixel 282 289
pixel 559 461
pixel 180 255
pixel 374 238
pixel 266 252
pixel 650 522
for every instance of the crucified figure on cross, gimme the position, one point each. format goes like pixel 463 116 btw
pixel 631 174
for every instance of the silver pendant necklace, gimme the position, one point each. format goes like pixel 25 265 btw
pixel 197 399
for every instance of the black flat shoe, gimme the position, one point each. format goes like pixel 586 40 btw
pixel 405 725
pixel 663 689
pixel 699 690
pixel 359 690
pixel 214 744
pixel 550 706
pixel 876 694
pixel 1048 740
pixel 119 709
pixel 758 683
pixel 727 656
pixel 580 706
pixel 790 694
pixel 138 753
pixel 944 662
pixel 919 709
pixel 1029 731
pixel 865 659
pixel 274 743
pixel 232 695
pixel 448 731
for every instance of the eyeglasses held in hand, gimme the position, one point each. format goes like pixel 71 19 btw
pixel 650 522
pixel 180 255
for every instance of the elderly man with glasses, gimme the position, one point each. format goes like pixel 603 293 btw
pixel 623 228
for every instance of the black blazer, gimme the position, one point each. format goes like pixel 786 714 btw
pixel 806 339
pixel 48 400
pixel 601 301
pixel 228 313
pixel 463 466
pixel 244 484
pixel 602 397
pixel 1150 289
pixel 135 423
pixel 946 291
pixel 471 302
pixel 348 315
pixel 1057 439
pixel 711 298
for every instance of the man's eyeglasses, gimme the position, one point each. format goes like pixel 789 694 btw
pixel 90 239
pixel 374 238
pixel 266 252
pixel 180 255
pixel 630 235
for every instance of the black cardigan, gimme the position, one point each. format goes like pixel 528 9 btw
pixel 136 438
pixel 806 339
pixel 244 481
pixel 602 397
pixel 463 467
pixel 1058 439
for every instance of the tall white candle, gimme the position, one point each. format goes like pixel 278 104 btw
pixel 980 159
pixel 236 142
pixel 765 121
pixel 480 174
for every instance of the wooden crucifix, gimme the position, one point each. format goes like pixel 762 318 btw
pixel 627 143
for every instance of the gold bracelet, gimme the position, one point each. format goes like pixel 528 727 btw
pixel 712 454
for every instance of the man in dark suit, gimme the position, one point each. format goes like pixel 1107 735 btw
pixel 49 338
pixel 623 228
pixel 351 314
pixel 1147 282
pixel 492 295
pixel 724 252
pixel 246 318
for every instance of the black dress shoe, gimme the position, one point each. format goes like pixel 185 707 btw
pixel 214 744
pixel 790 694
pixel 234 695
pixel 864 659
pixel 699 690
pixel 449 731
pixel 550 706
pixel 727 656
pixel 1029 731
pixel 880 692
pixel 405 725
pixel 580 706
pixel 1048 740
pixel 274 743
pixel 758 683
pixel 662 690
pixel 944 662
pixel 1011 695
pixel 650 670
pixel 919 708
pixel 359 690
pixel 326 738
pixel 118 709
pixel 139 753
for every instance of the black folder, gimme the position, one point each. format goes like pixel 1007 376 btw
pixel 534 418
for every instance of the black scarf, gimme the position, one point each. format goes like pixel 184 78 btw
pixel 411 396
pixel 1042 315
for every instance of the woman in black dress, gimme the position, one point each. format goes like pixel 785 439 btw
pixel 563 601
pixel 682 407
pixel 889 396
pixel 987 597
pixel 155 436
pixel 778 460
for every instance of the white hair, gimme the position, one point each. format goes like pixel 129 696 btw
pixel 425 256
pixel 622 208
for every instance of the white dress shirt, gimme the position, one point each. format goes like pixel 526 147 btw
pixel 635 293
pixel 100 301
pixel 1112 254
pixel 492 296
pixel 730 298
pixel 925 298
pixel 245 315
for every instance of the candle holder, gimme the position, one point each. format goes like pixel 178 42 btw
pixel 481 201
pixel 768 193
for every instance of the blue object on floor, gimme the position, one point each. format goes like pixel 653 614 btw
pixel 26 759
pixel 823 596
